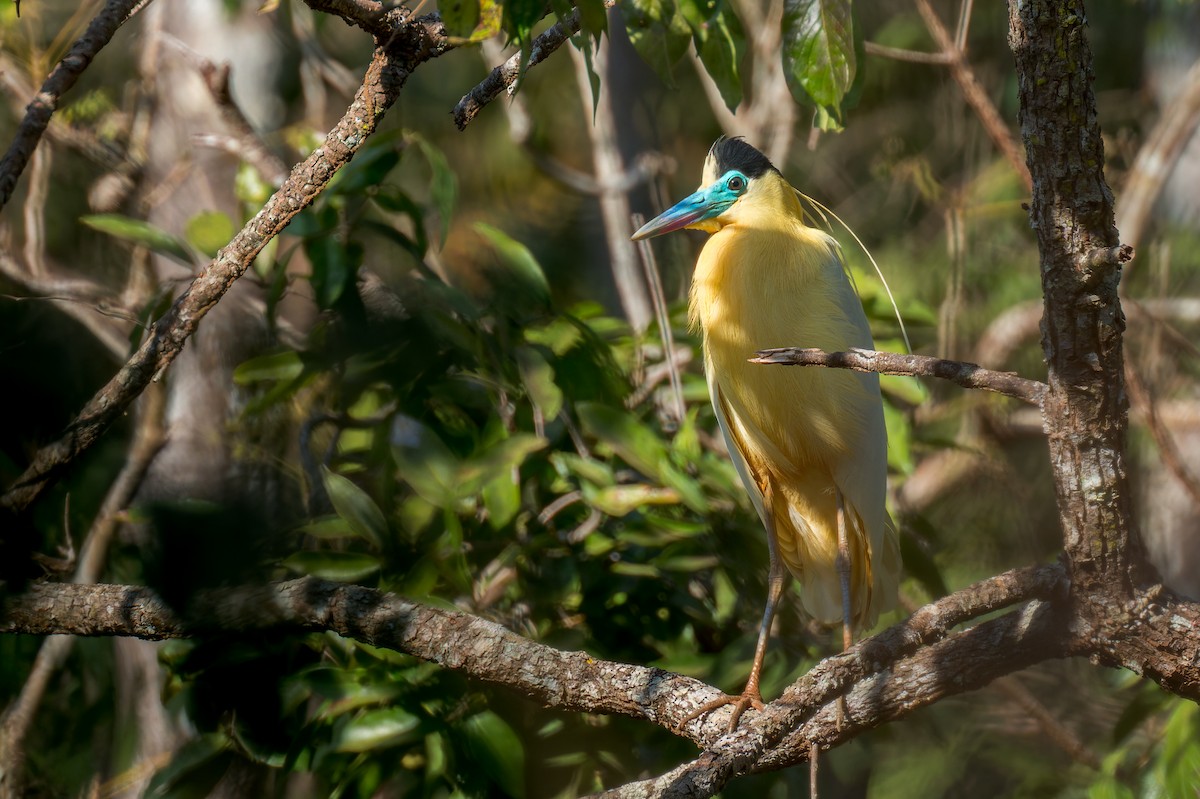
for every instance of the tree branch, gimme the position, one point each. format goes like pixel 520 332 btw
pixel 964 662
pixel 408 45
pixel 973 92
pixel 1072 212
pixel 967 375
pixel 39 111
pixel 486 651
pixel 504 77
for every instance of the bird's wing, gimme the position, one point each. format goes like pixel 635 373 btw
pixel 721 409
pixel 862 479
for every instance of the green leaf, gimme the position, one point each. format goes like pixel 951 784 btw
pixel 209 231
pixel 368 168
pixel 328 528
pixel 344 567
pixel 624 499
pixel 524 282
pixel 635 443
pixel 443 185
pixel 249 186
pixel 593 17
pixel 538 376
pixel 276 366
pixel 591 470
pixel 818 51
pixel 459 16
pixel 355 506
pixel 334 265
pixel 688 563
pixel 500 459
pixel 496 749
pixel 376 729
pixel 720 44
pixel 194 770
pixel 502 498
pixel 905 388
pixel 636 569
pixel 142 233
pixel 899 434
pixel 918 563
pixel 659 34
pixel 517 21
pixel 425 462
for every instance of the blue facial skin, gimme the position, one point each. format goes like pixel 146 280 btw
pixel 712 200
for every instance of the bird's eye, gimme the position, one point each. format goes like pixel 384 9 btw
pixel 737 184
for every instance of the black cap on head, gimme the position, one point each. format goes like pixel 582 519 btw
pixel 736 154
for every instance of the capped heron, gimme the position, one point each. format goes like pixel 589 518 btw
pixel 809 443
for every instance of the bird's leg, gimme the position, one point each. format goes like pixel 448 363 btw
pixel 751 695
pixel 843 567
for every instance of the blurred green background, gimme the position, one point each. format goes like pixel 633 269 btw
pixel 430 385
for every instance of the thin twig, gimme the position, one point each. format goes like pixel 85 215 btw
pixel 1156 159
pixel 614 204
pixel 39 111
pixel 974 93
pixel 912 56
pixel 1058 733
pixel 504 77
pixel 148 439
pixel 967 375
pixel 247 145
pixel 1141 401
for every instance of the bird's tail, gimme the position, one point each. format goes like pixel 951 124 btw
pixel 806 531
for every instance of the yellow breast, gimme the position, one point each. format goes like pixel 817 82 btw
pixel 783 286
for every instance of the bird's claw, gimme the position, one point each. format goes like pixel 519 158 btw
pixel 740 704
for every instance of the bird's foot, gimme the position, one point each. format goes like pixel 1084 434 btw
pixel 741 702
pixel 843 714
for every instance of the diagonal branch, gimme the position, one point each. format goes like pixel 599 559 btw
pixel 487 651
pixel 411 44
pixel 967 375
pixel 504 77
pixel 39 111
pixel 974 94
pixel 964 662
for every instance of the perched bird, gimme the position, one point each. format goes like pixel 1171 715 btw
pixel 809 443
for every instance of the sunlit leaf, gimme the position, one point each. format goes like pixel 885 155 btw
pixel 899 445
pixel 328 527
pixel 344 567
pixel 538 377
pixel 460 16
pixel 593 471
pixel 502 498
pixel 818 51
pixel 623 499
pixel 635 443
pixel 142 233
pixel 376 729
pixel 276 366
pixel 209 231
pixel 905 388
pixel 635 569
pixel 355 506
